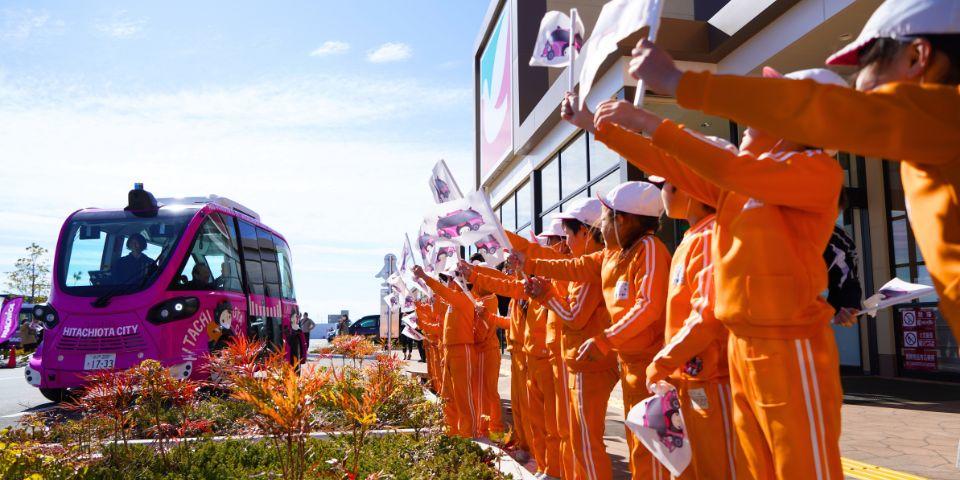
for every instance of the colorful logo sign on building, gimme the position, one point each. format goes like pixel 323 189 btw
pixel 496 110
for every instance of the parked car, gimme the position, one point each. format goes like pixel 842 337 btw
pixel 368 326
pixel 456 223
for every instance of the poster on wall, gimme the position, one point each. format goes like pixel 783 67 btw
pixel 496 110
pixel 918 330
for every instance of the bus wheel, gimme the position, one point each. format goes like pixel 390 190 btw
pixel 57 395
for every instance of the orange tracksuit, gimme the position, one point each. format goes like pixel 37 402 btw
pixel 539 415
pixel 917 124
pixel 583 315
pixel 634 284
pixel 432 330
pixel 487 373
pixel 461 357
pixel 561 387
pixel 694 357
pixel 492 280
pixel 775 214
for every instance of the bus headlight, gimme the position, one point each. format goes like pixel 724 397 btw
pixel 46 315
pixel 173 309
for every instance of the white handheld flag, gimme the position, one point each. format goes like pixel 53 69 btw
pixel 553 42
pixel 618 20
pixel 658 423
pixel 469 220
pixel 443 257
pixel 894 292
pixel 443 185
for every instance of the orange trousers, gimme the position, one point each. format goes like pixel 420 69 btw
pixel 786 405
pixel 708 422
pixel 486 379
pixel 563 405
pixel 461 360
pixel 433 368
pixel 589 394
pixel 446 393
pixel 542 415
pixel 519 403
pixel 643 465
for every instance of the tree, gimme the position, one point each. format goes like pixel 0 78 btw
pixel 31 275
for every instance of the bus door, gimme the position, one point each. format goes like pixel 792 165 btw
pixel 257 326
pixel 271 285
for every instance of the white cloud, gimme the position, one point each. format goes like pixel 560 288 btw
pixel 390 52
pixel 339 172
pixel 21 24
pixel 331 47
pixel 120 25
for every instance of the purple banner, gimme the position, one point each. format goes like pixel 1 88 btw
pixel 10 318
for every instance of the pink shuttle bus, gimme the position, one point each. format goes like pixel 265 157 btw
pixel 167 279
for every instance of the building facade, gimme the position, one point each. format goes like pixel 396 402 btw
pixel 532 164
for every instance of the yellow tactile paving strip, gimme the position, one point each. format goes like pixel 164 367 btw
pixel 865 471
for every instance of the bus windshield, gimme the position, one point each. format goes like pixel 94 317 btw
pixel 118 253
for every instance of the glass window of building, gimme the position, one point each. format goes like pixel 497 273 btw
pixel 524 206
pixel 602 159
pixel 508 213
pixel 605 184
pixel 908 265
pixel 573 166
pixel 550 183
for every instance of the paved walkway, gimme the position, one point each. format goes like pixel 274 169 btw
pixel 911 428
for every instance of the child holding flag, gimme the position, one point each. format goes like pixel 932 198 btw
pixel 694 357
pixel 907 109
pixel 582 315
pixel 632 273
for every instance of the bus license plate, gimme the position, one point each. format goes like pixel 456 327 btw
pixel 99 361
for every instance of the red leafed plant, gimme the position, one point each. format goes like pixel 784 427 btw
pixel 109 395
pixel 285 405
pixel 354 347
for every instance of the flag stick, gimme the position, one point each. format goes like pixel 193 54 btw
pixel 571 67
pixel 652 36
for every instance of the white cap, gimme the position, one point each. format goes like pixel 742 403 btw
pixel 638 198
pixel 819 75
pixel 899 19
pixel 586 210
pixel 554 229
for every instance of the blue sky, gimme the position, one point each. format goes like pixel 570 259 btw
pixel 325 117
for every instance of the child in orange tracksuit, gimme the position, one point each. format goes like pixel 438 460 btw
pixel 776 206
pixel 583 315
pixel 694 356
pixel 461 356
pixel 562 401
pixel 906 110
pixel 426 320
pixel 632 271
pixel 539 414
pixel 487 373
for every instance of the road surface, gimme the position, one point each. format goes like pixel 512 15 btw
pixel 17 397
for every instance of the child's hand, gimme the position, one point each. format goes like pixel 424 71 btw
pixel 571 112
pixel 480 311
pixel 516 260
pixel 466 269
pixel 418 272
pixel 536 287
pixel 846 317
pixel 586 349
pixel 655 67
pixel 626 115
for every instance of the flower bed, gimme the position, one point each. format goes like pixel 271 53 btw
pixel 258 394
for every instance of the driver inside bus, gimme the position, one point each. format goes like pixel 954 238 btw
pixel 134 266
